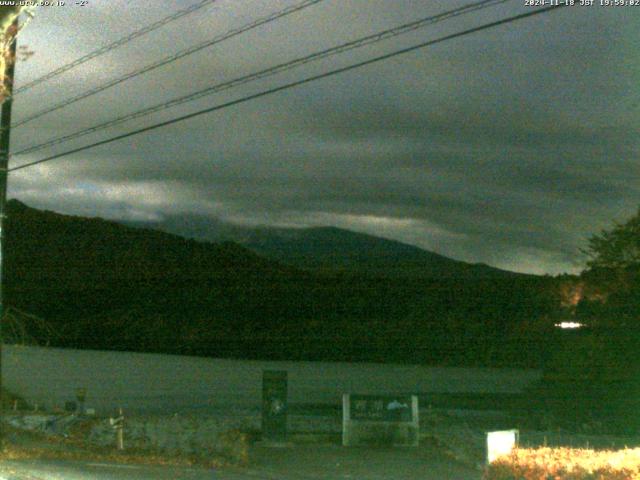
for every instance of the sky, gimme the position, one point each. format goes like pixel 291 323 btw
pixel 510 146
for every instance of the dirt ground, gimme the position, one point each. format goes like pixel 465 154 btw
pixel 320 462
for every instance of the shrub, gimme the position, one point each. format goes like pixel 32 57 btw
pixel 234 445
pixel 566 464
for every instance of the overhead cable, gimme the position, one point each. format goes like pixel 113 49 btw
pixel 170 59
pixel 287 86
pixel 269 72
pixel 113 45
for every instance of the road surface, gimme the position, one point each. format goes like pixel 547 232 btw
pixel 64 470
pixel 295 463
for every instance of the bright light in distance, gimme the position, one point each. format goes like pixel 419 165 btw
pixel 569 325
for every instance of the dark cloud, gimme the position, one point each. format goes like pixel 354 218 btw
pixel 508 147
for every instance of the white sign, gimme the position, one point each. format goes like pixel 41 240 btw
pixel 500 443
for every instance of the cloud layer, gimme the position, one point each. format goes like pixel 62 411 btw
pixel 508 147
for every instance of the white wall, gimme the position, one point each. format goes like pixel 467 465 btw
pixel 168 383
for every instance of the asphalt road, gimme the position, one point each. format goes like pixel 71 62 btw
pixel 297 463
pixel 64 470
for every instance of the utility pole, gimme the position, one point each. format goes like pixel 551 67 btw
pixel 5 132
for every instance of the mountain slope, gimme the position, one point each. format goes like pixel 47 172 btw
pixel 331 249
pixel 103 285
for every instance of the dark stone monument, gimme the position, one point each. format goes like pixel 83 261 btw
pixel 274 405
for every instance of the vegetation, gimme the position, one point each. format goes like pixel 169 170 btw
pixel 618 248
pixel 233 449
pixel 593 379
pixel 566 464
pixel 8 32
pixel 101 285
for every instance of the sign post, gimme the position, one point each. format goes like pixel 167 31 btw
pixel 377 419
pixel 81 395
pixel 118 426
pixel 274 405
pixel 501 443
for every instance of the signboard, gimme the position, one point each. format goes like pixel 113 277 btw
pixel 274 405
pixel 501 443
pixel 380 420
pixel 384 408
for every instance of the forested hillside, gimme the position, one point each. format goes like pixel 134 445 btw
pixel 107 286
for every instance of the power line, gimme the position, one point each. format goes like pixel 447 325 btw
pixel 172 58
pixel 113 45
pixel 287 86
pixel 271 71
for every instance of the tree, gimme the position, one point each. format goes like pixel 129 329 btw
pixel 594 375
pixel 613 274
pixel 8 32
pixel 618 248
pixel 8 15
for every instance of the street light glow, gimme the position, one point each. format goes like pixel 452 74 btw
pixel 569 325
